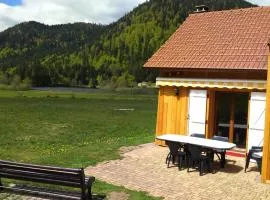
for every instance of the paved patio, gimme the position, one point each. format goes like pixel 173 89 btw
pixel 144 169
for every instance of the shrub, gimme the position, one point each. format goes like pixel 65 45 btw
pixel 3 87
pixel 15 83
pixel 3 79
pixel 26 84
pixel 126 80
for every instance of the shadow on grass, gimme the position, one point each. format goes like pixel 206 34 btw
pixel 31 192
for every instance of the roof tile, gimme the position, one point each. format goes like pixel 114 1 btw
pixel 235 39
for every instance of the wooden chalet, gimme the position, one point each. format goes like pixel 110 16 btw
pixel 213 79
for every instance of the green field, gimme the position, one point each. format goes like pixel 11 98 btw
pixel 75 129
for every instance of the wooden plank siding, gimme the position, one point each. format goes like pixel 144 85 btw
pixel 172 112
pixel 232 116
pixel 266 146
pixel 160 111
pixel 183 104
pixel 210 114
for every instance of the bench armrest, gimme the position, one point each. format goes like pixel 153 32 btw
pixel 90 180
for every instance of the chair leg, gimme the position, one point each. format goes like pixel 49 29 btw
pixel 209 165
pixel 180 162
pixel 173 160
pixel 218 156
pixel 247 162
pixel 169 160
pixel 188 164
pixel 259 164
pixel 201 168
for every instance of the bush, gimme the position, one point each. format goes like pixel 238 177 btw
pixel 3 87
pixel 15 83
pixel 3 79
pixel 26 84
pixel 126 80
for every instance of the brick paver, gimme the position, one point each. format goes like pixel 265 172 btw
pixel 144 169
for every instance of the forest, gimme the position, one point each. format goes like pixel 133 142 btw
pixel 95 55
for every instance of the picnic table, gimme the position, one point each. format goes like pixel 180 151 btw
pixel 210 144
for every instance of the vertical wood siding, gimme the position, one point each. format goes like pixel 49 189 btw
pixel 266 146
pixel 172 112
pixel 210 114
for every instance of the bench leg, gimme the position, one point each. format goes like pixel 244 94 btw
pixel 89 193
pixel 89 189
pixel 1 185
pixel 83 194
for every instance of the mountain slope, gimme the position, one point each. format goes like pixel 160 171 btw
pixel 80 54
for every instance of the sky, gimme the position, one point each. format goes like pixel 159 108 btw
pixel 69 11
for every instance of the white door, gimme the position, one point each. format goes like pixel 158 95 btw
pixel 197 111
pixel 256 119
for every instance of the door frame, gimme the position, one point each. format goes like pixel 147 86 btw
pixel 211 118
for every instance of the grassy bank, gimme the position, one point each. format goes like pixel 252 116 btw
pixel 74 129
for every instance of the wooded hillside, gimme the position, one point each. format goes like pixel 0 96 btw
pixel 91 54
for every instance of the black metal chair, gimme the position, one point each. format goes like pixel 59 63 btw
pixel 198 135
pixel 196 158
pixel 220 153
pixel 249 155
pixel 176 151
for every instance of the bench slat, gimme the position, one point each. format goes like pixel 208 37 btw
pixel 40 180
pixel 31 168
pixel 36 192
pixel 39 166
pixel 63 177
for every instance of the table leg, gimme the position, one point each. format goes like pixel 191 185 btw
pixel 223 159
pixel 210 160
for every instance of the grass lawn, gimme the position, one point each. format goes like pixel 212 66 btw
pixel 75 129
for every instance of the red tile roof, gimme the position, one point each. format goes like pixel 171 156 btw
pixel 234 39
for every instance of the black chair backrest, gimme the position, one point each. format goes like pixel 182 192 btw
pixel 221 138
pixel 254 149
pixel 173 147
pixel 43 174
pixel 198 135
pixel 195 152
pixel 259 148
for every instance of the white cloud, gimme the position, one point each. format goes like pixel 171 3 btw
pixel 65 11
pixel 69 11
pixel 261 2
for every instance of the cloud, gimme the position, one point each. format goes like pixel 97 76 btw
pixel 261 2
pixel 65 11
pixel 69 11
